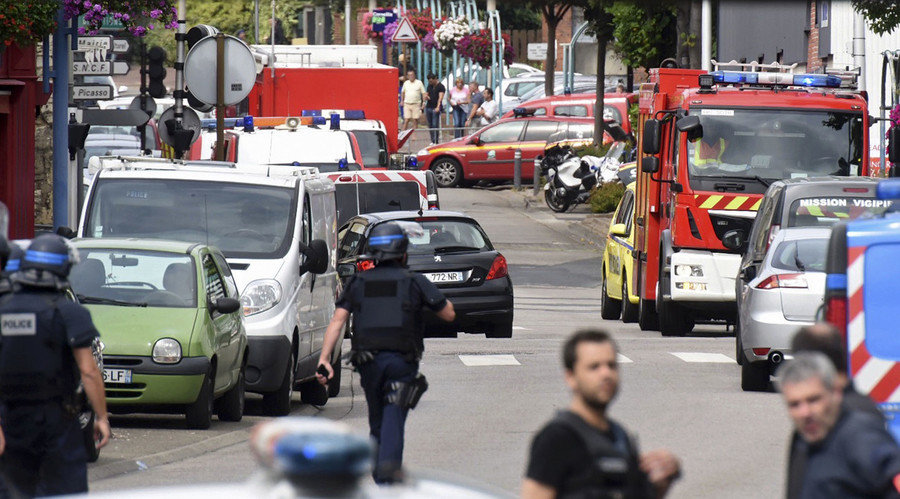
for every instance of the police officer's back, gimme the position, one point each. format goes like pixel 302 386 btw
pixel 45 349
pixel 387 303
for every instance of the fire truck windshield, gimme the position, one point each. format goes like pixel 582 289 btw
pixel 754 147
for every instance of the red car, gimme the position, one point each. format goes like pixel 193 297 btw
pixel 615 107
pixel 488 154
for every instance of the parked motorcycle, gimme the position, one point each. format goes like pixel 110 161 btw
pixel 570 178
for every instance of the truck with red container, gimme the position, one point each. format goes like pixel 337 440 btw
pixel 711 144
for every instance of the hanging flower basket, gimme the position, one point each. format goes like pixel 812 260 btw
pixel 367 28
pixel 27 22
pixel 137 16
pixel 477 46
pixel 421 21
pixel 449 33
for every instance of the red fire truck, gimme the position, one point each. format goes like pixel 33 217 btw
pixel 711 145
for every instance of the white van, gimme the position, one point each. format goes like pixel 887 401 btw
pixel 277 231
pixel 360 192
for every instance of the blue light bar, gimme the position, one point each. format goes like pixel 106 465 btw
pixel 311 112
pixel 319 120
pixel 342 164
pixel 769 78
pixel 817 80
pixel 210 123
pixel 335 121
pixel 354 114
pixel 888 189
pixel 248 123
pixel 317 455
pixel 734 77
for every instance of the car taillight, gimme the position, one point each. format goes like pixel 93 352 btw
pixel 783 281
pixel 364 265
pixel 498 268
pixel 836 312
pixel 773 231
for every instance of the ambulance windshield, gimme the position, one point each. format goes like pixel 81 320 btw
pixel 755 146
pixel 827 211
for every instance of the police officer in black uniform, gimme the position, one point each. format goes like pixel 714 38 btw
pixel 45 348
pixel 10 258
pixel 386 303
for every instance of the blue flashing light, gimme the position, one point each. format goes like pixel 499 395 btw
pixel 247 123
pixel 317 455
pixel 888 189
pixel 734 77
pixel 412 163
pixel 295 163
pixel 817 80
pixel 342 164
pixel 311 112
pixel 335 121
pixel 319 120
pixel 354 114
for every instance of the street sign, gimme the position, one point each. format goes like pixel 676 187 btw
pixel 537 51
pixel 99 68
pixel 103 42
pixel 381 18
pixel 110 23
pixel 200 70
pixel 405 32
pixel 92 92
pixel 114 117
pixel 120 46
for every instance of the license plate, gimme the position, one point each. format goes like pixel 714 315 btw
pixel 117 375
pixel 444 276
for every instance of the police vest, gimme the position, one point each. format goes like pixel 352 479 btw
pixel 698 161
pixel 36 363
pixel 386 310
pixel 615 471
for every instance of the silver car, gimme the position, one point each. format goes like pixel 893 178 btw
pixel 783 296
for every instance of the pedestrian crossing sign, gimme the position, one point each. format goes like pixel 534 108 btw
pixel 405 32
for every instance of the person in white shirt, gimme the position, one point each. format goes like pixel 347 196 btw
pixel 489 110
pixel 412 95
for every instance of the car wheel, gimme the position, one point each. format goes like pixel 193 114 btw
pixel 231 405
pixel 87 431
pixel 447 172
pixel 334 385
pixel 199 414
pixel 754 376
pixel 554 202
pixel 500 330
pixel 610 308
pixel 738 343
pixel 630 310
pixel 278 403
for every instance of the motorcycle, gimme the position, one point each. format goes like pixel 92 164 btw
pixel 570 179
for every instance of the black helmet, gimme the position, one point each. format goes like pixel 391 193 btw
pixel 388 241
pixel 14 260
pixel 47 262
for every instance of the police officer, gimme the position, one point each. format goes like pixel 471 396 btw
pixel 45 348
pixel 386 303
pixel 10 257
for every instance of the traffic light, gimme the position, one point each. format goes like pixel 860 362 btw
pixel 156 71
pixel 198 33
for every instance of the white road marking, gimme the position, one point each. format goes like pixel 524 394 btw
pixel 623 359
pixel 715 358
pixel 489 360
pixel 520 328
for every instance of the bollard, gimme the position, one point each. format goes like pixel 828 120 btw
pixel 536 179
pixel 517 170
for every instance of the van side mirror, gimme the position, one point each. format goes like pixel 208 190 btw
pixel 617 230
pixel 894 144
pixel 651 137
pixel 734 240
pixel 316 257
pixel 691 125
pixel 227 305
pixel 346 270
pixel 650 164
pixel 383 158
pixel 65 232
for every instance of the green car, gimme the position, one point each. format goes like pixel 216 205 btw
pixel 169 317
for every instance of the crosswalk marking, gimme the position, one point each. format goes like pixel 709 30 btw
pixel 714 358
pixel 623 359
pixel 489 360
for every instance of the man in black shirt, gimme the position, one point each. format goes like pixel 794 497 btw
pixel 434 106
pixel 584 454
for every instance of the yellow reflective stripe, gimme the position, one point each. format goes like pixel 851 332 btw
pixel 841 215
pixel 736 202
pixel 815 210
pixel 755 207
pixel 709 203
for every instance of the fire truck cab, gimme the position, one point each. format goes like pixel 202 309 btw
pixel 711 145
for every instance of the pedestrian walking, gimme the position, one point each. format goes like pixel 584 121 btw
pixel 488 112
pixel 45 350
pixel 434 106
pixel 847 453
pixel 412 95
pixel 459 105
pixel 584 453
pixel 476 98
pixel 387 303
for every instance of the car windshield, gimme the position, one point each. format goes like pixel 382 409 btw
pixel 243 220
pixel 127 277
pixel 753 147
pixel 827 211
pixel 371 143
pixel 447 236
pixel 354 198
pixel 803 255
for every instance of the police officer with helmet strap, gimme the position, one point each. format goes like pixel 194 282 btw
pixel 45 348
pixel 386 303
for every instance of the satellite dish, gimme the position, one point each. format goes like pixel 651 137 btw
pixel 240 70
pixel 190 121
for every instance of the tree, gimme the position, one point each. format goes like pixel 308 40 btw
pixel 553 11
pixel 883 16
pixel 643 35
pixel 600 23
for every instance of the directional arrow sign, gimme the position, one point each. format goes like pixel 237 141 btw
pixel 91 68
pixel 120 45
pixel 94 42
pixel 120 68
pixel 92 92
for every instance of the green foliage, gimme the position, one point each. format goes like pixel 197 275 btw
pixel 518 17
pixel 639 32
pixel 883 16
pixel 592 150
pixel 606 197
pixel 634 111
pixel 25 23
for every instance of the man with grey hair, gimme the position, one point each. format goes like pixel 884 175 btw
pixel 847 453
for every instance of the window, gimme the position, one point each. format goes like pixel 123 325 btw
pixel 350 240
pixel 827 211
pixel 570 111
pixel 804 255
pixel 503 132
pixel 447 236
pixel 226 274
pixel 540 130
pixel 353 198
pixel 215 288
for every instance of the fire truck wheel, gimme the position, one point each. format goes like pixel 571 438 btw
pixel 674 320
pixel 647 318
pixel 447 172
pixel 754 377
pixel 610 308
pixel 629 310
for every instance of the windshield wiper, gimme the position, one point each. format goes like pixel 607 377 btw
pixel 109 301
pixel 737 177
pixel 452 249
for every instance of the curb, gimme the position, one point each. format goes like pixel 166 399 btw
pixel 578 231
pixel 165 457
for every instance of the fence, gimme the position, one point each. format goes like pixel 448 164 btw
pixel 520 38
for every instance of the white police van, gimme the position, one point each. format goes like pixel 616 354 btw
pixel 276 227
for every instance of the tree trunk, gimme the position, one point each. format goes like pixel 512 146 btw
pixel 683 31
pixel 696 29
pixel 599 125
pixel 550 62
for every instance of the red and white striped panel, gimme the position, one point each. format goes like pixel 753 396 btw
pixel 879 378
pixel 380 176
